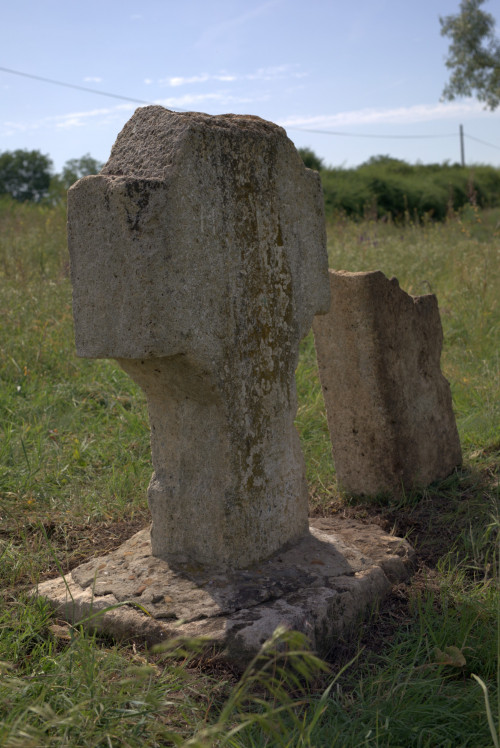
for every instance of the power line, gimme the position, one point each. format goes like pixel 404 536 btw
pixel 365 135
pixel 483 142
pixel 289 127
pixel 73 85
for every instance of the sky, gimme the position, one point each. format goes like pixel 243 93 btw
pixel 367 74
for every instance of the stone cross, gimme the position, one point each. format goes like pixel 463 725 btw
pixel 198 260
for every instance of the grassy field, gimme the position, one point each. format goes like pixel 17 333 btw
pixel 74 466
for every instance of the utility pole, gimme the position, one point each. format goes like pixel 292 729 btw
pixel 462 152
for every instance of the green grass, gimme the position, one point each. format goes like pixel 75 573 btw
pixel 74 467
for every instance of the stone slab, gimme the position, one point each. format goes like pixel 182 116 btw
pixel 321 586
pixel 389 407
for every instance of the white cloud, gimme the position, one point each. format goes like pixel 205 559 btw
pixel 103 116
pixel 148 81
pixel 92 79
pixel 222 98
pixel 275 72
pixel 180 81
pixel 70 122
pixel 77 119
pixel 13 128
pixel 67 121
pixel 396 116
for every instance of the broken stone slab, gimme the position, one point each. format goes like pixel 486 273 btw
pixel 321 586
pixel 389 407
pixel 198 260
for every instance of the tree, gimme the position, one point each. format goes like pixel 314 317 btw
pixel 388 162
pixel 25 175
pixel 473 55
pixel 310 159
pixel 76 168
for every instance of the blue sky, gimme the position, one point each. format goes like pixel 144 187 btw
pixel 369 72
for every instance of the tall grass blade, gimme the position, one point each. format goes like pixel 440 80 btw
pixel 489 715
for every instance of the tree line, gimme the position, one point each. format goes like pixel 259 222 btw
pixel 28 175
pixel 389 187
pixel 382 186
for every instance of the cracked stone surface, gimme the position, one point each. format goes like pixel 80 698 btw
pixel 320 586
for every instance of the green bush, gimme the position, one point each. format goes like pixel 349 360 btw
pixel 311 159
pixel 389 187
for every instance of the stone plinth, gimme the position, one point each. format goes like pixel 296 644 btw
pixel 388 405
pixel 321 587
pixel 198 260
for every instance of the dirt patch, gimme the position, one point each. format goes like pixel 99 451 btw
pixel 88 540
pixel 60 546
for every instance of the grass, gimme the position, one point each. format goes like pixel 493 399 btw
pixel 74 466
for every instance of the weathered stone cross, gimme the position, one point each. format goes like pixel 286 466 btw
pixel 198 260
